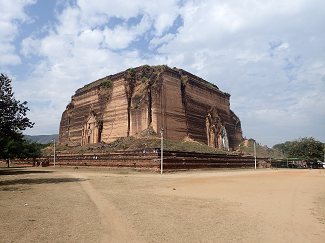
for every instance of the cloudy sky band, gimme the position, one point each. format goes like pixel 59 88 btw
pixel 269 55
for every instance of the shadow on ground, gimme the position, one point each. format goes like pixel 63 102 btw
pixel 15 171
pixel 39 181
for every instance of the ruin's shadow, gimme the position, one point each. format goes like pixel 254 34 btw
pixel 39 181
pixel 15 171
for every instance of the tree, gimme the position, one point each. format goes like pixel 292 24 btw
pixel 12 121
pixel 305 148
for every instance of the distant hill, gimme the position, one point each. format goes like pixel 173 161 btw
pixel 43 139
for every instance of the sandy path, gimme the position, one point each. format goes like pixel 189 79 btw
pixel 103 205
pixel 116 227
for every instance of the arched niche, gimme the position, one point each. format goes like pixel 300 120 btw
pixel 91 130
pixel 217 136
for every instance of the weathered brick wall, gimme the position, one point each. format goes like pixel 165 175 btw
pixel 115 115
pixel 199 98
pixel 168 109
pixel 145 97
pixel 173 160
pixel 140 110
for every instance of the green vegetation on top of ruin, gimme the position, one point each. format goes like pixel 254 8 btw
pixel 208 84
pixel 100 125
pixel 184 79
pixel 132 72
pixel 148 70
pixel 144 79
pixel 107 83
pixel 91 84
pixel 164 66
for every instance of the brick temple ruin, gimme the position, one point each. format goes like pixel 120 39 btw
pixel 129 102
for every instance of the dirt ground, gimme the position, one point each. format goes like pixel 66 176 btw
pixel 110 205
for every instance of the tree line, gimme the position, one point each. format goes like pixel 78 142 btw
pixel 305 148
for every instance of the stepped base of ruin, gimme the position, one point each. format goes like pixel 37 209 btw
pixel 173 160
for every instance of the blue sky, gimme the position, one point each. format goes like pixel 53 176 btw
pixel 269 55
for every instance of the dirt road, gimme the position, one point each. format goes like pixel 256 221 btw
pixel 105 205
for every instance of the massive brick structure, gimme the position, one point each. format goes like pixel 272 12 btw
pixel 129 102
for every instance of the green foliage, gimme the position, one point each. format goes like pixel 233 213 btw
pixel 31 149
pixel 12 112
pixel 91 84
pixel 107 83
pixel 147 69
pixel 183 80
pixel 43 146
pixel 12 120
pixel 135 106
pixel 100 125
pixel 305 148
pixel 212 86
pixel 227 94
pixel 144 79
pixel 20 148
pixel 165 66
pixel 132 72
pixel 283 146
pixel 209 84
pixel 72 96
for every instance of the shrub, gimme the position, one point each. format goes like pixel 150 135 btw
pixel 100 125
pixel 107 84
pixel 165 66
pixel 131 71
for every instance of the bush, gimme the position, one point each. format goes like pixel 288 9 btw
pixel 107 84
pixel 132 72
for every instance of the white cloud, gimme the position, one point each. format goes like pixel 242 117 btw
pixel 228 43
pixel 283 46
pixel 156 41
pixel 162 14
pixel 266 54
pixel 29 46
pixel 122 35
pixel 8 56
pixel 164 21
pixel 11 14
pixel 39 115
pixel 121 9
